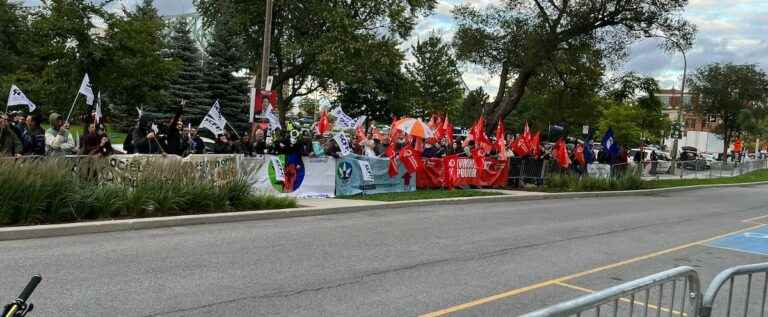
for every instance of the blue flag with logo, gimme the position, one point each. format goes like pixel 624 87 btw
pixel 609 144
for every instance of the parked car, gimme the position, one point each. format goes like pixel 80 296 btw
pixel 663 161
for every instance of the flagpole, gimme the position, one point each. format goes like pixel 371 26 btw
pixel 233 129
pixel 72 108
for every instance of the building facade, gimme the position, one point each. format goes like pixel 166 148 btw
pixel 693 121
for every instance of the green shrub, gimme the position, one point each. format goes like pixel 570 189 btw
pixel 58 190
pixel 575 183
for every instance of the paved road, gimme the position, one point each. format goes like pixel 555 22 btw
pixel 404 262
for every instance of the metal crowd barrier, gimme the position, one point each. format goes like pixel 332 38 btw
pixel 750 276
pixel 640 297
pixel 527 170
pixel 675 292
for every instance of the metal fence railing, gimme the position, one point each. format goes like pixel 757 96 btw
pixel 743 281
pixel 676 292
pixel 672 293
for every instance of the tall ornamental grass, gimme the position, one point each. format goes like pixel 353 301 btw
pixel 60 190
pixel 576 183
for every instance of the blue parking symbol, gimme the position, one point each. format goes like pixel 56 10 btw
pixel 755 241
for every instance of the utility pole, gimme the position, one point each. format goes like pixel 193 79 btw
pixel 267 45
pixel 264 62
pixel 679 120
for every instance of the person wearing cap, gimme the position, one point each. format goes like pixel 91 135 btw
pixel 9 142
pixel 58 140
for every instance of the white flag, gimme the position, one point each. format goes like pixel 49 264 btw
pixel 278 167
pixel 141 113
pixel 365 167
pixel 16 97
pixel 343 121
pixel 214 121
pixel 360 121
pixel 98 109
pixel 86 90
pixel 343 143
pixel 274 121
pixel 154 128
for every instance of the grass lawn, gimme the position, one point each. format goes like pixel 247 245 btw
pixel 424 194
pixel 115 136
pixel 756 176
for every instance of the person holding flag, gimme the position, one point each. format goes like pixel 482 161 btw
pixel 10 145
pixel 58 140
pixel 560 154
pixel 610 147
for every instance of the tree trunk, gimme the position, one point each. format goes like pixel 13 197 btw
pixel 503 78
pixel 510 100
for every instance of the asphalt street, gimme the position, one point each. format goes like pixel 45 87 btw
pixel 471 260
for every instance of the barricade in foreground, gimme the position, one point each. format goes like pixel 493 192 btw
pixel 741 280
pixel 675 292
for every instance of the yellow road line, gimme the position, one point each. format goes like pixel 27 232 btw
pixel 517 291
pixel 626 300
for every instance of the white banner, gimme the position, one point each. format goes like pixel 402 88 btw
pixel 274 121
pixel 360 121
pixel 599 170
pixel 214 121
pixel 343 143
pixel 86 90
pixel 278 166
pixel 16 97
pixel 316 178
pixel 343 121
pixel 365 167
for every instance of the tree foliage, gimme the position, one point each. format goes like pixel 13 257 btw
pixel 137 74
pixel 519 38
pixel 224 59
pixel 187 85
pixel 317 43
pixel 438 87
pixel 735 94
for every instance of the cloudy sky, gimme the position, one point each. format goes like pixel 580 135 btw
pixel 729 31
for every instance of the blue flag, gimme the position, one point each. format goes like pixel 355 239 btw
pixel 609 144
pixel 589 156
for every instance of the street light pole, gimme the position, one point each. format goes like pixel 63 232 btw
pixel 267 45
pixel 682 101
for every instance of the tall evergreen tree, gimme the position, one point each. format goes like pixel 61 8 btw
pixel 220 83
pixel 137 75
pixel 188 84
pixel 435 73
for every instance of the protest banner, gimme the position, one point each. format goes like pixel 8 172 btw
pixel 350 178
pixel 433 174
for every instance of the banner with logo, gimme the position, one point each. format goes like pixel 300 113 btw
pixel 350 178
pixel 462 172
pixel 301 176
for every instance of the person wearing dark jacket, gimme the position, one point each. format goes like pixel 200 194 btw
pixel 89 142
pixel 9 142
pixel 174 138
pixel 144 139
pixel 223 146
pixel 36 135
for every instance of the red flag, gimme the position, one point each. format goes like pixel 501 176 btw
pixel 323 125
pixel 561 154
pixel 478 155
pixel 521 147
pixel 578 154
pixel 392 169
pixel 535 145
pixel 431 123
pixel 448 130
pixel 527 133
pixel 478 133
pixel 410 159
pixel 451 170
pixel 390 152
pixel 419 145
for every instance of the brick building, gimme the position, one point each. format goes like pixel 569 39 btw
pixel 670 98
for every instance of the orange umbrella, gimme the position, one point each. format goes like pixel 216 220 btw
pixel 414 127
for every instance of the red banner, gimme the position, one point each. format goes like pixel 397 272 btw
pixel 434 172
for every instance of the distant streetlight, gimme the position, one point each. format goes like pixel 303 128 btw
pixel 682 100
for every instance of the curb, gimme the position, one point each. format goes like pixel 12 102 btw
pixel 59 230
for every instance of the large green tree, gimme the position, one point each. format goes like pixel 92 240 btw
pixel 137 75
pixel 436 77
pixel 62 48
pixel 13 28
pixel 187 86
pixel 220 83
pixel 520 37
pixel 735 94
pixel 317 43
pixel 473 105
